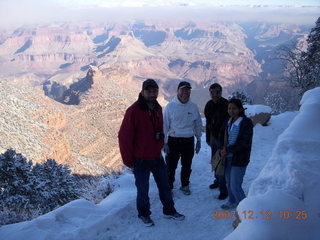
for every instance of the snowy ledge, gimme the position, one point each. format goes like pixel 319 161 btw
pixel 258 113
pixel 283 201
pixel 252 110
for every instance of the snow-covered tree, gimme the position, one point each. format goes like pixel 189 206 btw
pixel 313 56
pixel 277 103
pixel 27 191
pixel 54 184
pixel 16 192
pixel 302 64
pixel 242 95
pixel 282 99
pixel 95 188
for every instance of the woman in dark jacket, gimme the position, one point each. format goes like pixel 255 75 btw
pixel 239 131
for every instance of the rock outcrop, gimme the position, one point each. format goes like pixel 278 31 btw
pixel 64 87
pixel 84 136
pixel 258 113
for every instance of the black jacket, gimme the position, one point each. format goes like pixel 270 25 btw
pixel 242 148
pixel 216 114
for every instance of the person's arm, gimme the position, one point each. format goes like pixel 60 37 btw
pixel 207 115
pixel 226 114
pixel 198 125
pixel 166 122
pixel 198 130
pixel 125 137
pixel 221 136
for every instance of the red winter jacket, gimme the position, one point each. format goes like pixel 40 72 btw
pixel 137 132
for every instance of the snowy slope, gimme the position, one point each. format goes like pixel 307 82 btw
pixel 288 187
pixel 116 217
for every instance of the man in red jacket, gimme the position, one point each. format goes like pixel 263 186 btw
pixel 140 142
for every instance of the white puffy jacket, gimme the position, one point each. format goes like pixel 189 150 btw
pixel 182 120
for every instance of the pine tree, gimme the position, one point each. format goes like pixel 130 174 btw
pixel 243 96
pixel 28 191
pixel 303 66
pixel 277 103
pixel 312 56
pixel 15 179
pixel 54 184
pixel 17 195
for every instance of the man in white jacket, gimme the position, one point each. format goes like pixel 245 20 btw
pixel 182 122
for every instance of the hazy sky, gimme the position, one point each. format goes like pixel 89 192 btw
pixel 192 2
pixel 14 13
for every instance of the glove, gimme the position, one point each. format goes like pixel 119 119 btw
pixel 198 146
pixel 166 148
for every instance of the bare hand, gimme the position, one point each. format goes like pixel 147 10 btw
pixel 223 152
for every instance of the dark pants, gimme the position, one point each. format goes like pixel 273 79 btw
pixel 220 180
pixel 184 148
pixel 142 169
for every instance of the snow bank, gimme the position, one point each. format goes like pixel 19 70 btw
pixel 252 110
pixel 79 219
pixel 283 202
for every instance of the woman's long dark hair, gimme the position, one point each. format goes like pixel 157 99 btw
pixel 239 105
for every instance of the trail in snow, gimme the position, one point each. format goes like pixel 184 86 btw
pixel 116 216
pixel 199 205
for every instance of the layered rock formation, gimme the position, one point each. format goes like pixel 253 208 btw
pixel 199 52
pixel 83 136
pixel 92 72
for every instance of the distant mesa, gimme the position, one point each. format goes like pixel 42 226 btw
pixel 189 33
pixel 71 95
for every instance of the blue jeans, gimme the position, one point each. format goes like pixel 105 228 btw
pixel 220 180
pixel 234 177
pixel 142 169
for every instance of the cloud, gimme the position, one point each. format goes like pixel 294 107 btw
pixel 14 13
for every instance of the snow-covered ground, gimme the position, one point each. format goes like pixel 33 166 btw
pixel 284 199
pixel 289 181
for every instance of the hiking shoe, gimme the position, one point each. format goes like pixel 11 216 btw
pixel 185 190
pixel 147 221
pixel 222 196
pixel 228 206
pixel 175 216
pixel 214 186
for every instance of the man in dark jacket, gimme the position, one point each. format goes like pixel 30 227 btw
pixel 216 113
pixel 140 142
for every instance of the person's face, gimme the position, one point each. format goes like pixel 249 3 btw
pixel 233 111
pixel 184 94
pixel 150 94
pixel 215 94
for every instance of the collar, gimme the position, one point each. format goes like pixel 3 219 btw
pixel 236 123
